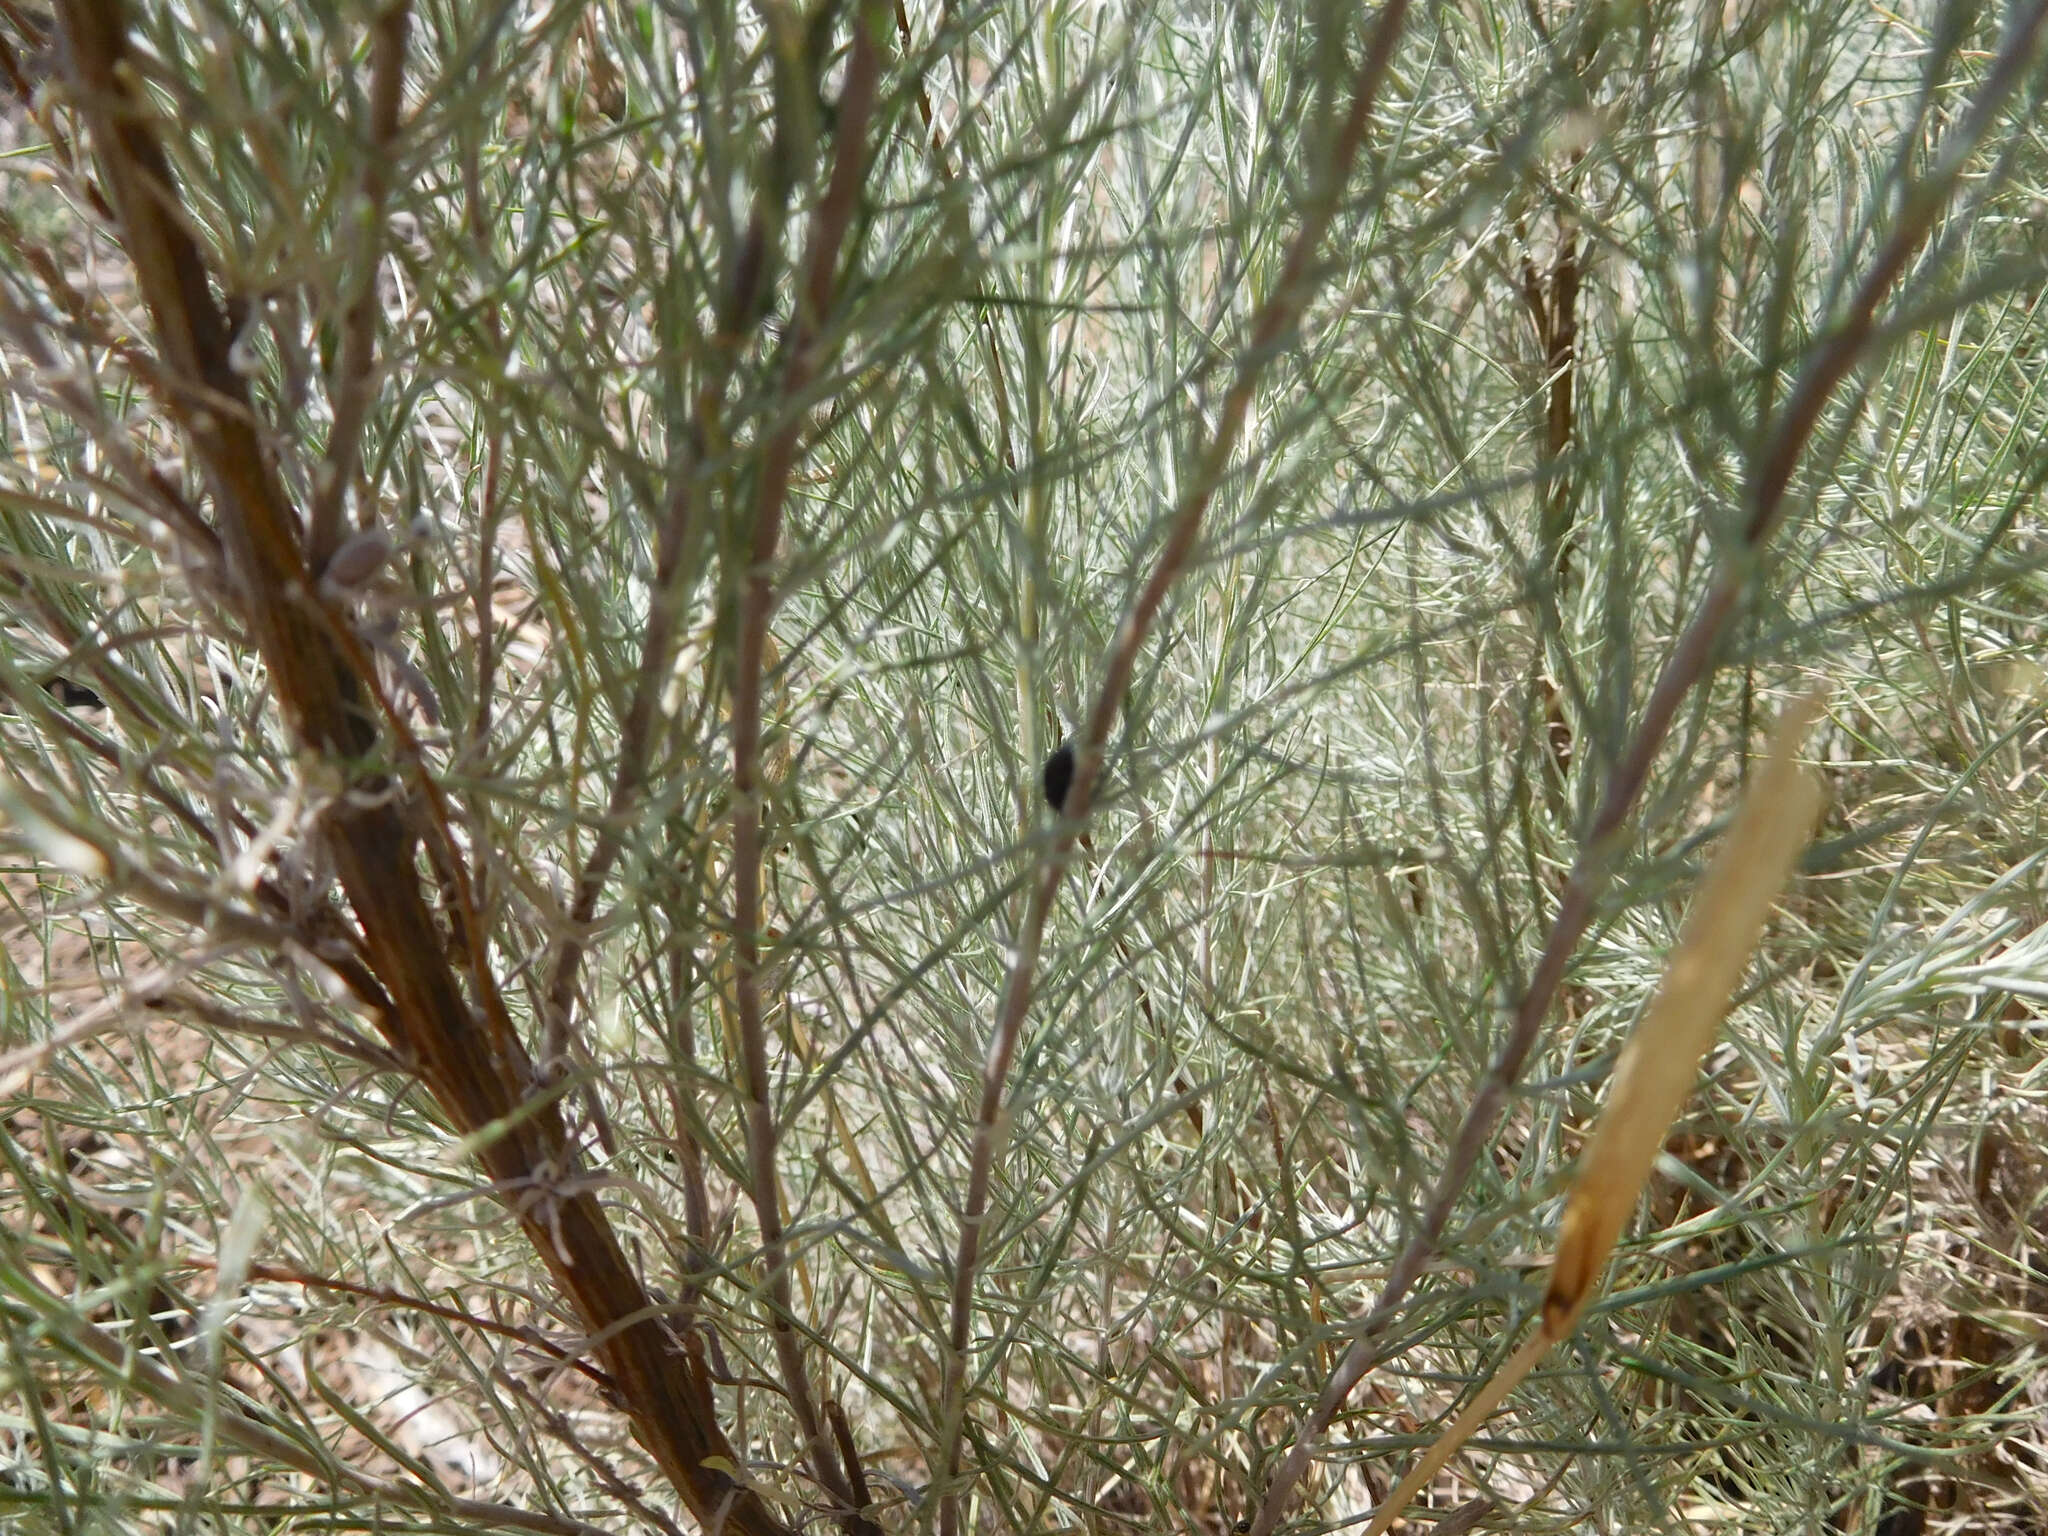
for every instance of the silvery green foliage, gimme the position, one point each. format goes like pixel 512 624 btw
pixel 1483 484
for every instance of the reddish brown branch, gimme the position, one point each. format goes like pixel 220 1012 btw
pixel 354 377
pixel 478 1074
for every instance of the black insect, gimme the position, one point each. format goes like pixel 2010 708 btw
pixel 73 695
pixel 1059 776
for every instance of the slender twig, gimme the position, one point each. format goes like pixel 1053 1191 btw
pixel 486 580
pixel 147 991
pixel 564 1431
pixel 849 1454
pixel 1691 660
pixel 807 351
pixel 102 856
pixel 155 992
pixel 322 931
pixel 33 32
pixel 689 1154
pixel 636 745
pixel 147 486
pixel 1275 319
pixel 1033 520
pixel 1553 313
pixel 559 993
pixel 354 381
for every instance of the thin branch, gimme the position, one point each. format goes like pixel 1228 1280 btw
pixel 1690 662
pixel 155 992
pixel 322 932
pixel 1035 504
pixel 807 352
pixel 65 387
pixel 354 381
pixel 1275 320
pixel 636 745
pixel 740 314
pixel 110 1012
pixel 559 1426
pixel 1553 313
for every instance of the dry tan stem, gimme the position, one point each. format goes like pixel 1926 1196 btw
pixel 1662 1058
pixel 1474 1414
pixel 1690 661
pixel 1659 1065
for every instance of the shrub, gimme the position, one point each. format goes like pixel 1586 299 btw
pixel 545 552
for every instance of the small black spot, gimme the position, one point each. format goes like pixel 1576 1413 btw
pixel 73 695
pixel 1059 776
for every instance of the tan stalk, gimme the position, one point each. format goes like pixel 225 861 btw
pixel 1660 1063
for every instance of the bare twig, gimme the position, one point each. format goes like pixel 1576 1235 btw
pixel 636 746
pixel 740 314
pixel 1035 504
pixel 148 488
pixel 1276 317
pixel 1691 660
pixel 564 1431
pixel 155 992
pixel 1553 313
